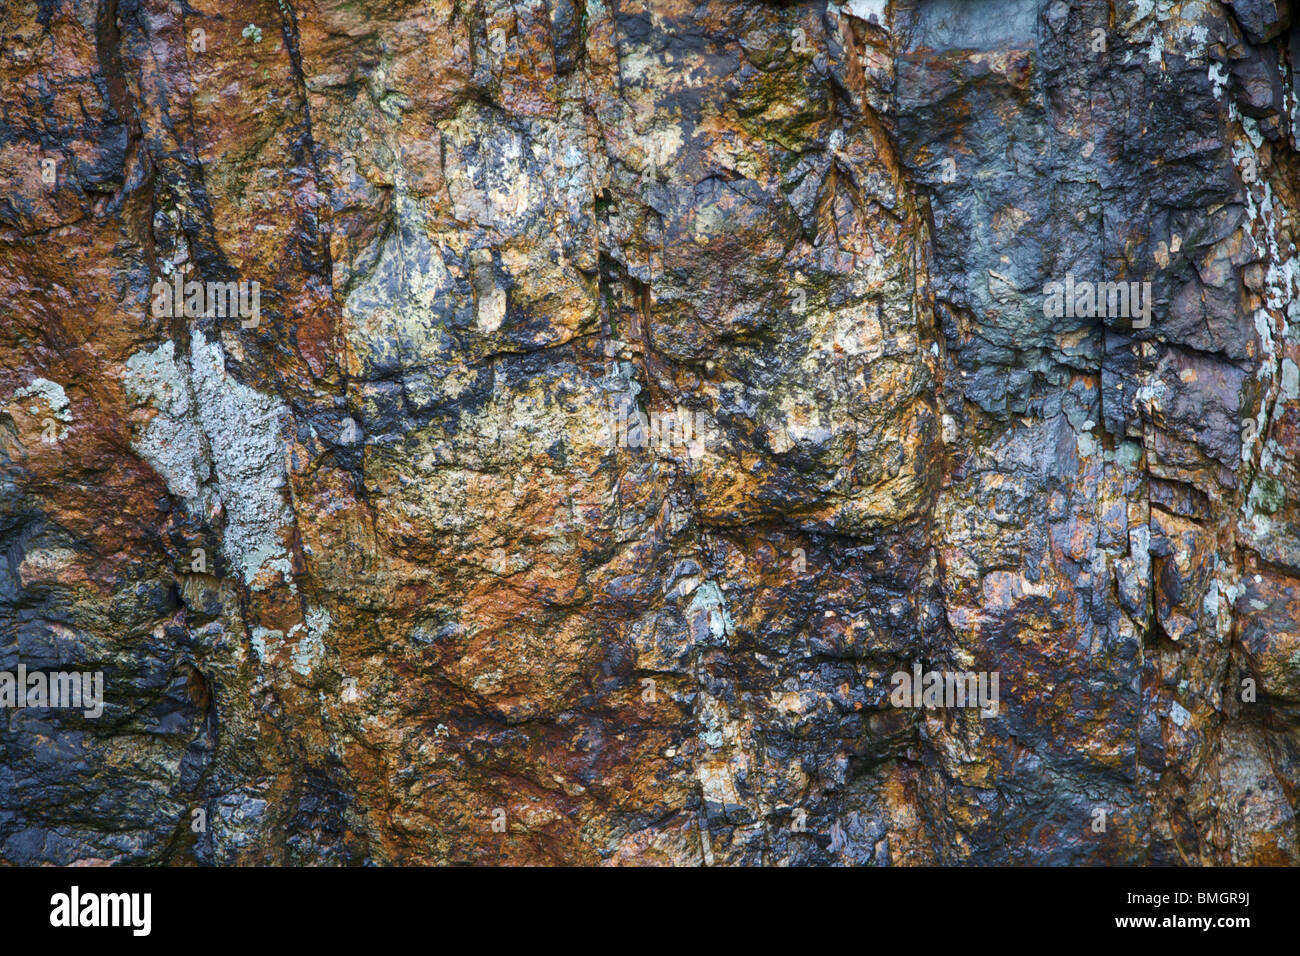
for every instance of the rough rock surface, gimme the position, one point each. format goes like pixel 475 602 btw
pixel 371 582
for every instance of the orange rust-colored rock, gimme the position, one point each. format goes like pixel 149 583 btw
pixel 635 395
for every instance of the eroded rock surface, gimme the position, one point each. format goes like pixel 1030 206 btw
pixel 371 576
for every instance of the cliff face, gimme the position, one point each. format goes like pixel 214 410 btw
pixel 629 391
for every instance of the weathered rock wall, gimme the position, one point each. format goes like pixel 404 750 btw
pixel 379 573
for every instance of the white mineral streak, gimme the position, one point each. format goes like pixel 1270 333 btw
pixel 208 425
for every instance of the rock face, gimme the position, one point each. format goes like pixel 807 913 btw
pixel 596 405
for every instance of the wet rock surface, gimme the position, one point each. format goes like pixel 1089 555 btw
pixel 629 393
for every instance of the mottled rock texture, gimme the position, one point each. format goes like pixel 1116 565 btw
pixel 371 581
